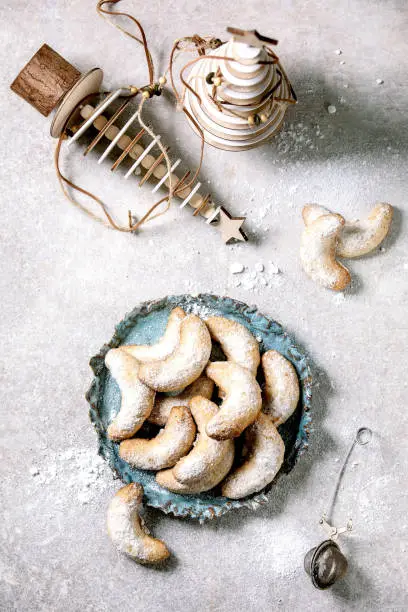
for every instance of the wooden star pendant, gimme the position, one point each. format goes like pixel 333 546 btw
pixel 230 227
pixel 251 37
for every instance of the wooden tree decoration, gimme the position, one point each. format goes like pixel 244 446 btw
pixel 239 95
pixel 49 82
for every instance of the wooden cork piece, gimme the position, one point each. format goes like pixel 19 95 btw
pixel 45 80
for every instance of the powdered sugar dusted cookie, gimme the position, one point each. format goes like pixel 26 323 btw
pixel 210 460
pixel 163 451
pixel 165 346
pixel 238 344
pixel 242 399
pixel 164 403
pixel 265 453
pixel 281 392
pixel 186 362
pixel 166 479
pixel 311 212
pixel 363 236
pixel 318 252
pixel 137 399
pixel 358 237
pixel 126 528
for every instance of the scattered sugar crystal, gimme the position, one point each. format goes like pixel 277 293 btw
pixel 338 51
pixel 274 268
pixel 380 81
pixel 259 267
pixel 236 268
pixel 34 471
pixel 331 109
pixel 342 63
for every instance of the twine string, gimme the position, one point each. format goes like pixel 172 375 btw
pixel 143 40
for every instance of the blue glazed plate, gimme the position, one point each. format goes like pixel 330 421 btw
pixel 145 325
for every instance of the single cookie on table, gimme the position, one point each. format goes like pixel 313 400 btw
pixel 265 452
pixel 357 237
pixel 137 399
pixel 242 399
pixel 127 530
pixel 238 344
pixel 165 346
pixel 318 252
pixel 281 391
pixel 164 403
pixel 185 364
pixel 210 460
pixel 163 451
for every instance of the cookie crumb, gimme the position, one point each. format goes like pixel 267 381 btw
pixel 331 109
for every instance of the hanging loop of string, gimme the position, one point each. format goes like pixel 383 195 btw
pixel 143 40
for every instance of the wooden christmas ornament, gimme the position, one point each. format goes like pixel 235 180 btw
pixel 238 95
pixel 49 82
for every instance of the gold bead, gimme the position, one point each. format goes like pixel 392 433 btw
pixel 162 80
pixel 264 118
pixel 133 89
pixel 146 94
pixel 251 120
pixel 217 81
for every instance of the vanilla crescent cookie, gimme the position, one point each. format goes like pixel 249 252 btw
pixel 281 391
pixel 238 344
pixel 242 399
pixel 137 399
pixel 358 237
pixel 265 452
pixel 165 346
pixel 164 403
pixel 127 530
pixel 163 451
pixel 166 479
pixel 210 460
pixel 318 252
pixel 186 362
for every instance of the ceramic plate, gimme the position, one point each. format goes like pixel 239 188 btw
pixel 144 325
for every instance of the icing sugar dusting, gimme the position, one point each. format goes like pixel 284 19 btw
pixel 84 473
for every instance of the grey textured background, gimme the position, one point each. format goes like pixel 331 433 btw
pixel 66 281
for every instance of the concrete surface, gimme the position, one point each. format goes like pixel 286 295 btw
pixel 66 281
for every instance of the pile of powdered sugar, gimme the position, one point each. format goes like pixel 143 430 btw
pixel 82 473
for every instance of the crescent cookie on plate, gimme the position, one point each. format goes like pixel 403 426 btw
pixel 185 364
pixel 210 460
pixel 137 399
pixel 164 403
pixel 242 400
pixel 170 444
pixel 238 344
pixel 281 392
pixel 265 452
pixel 165 346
